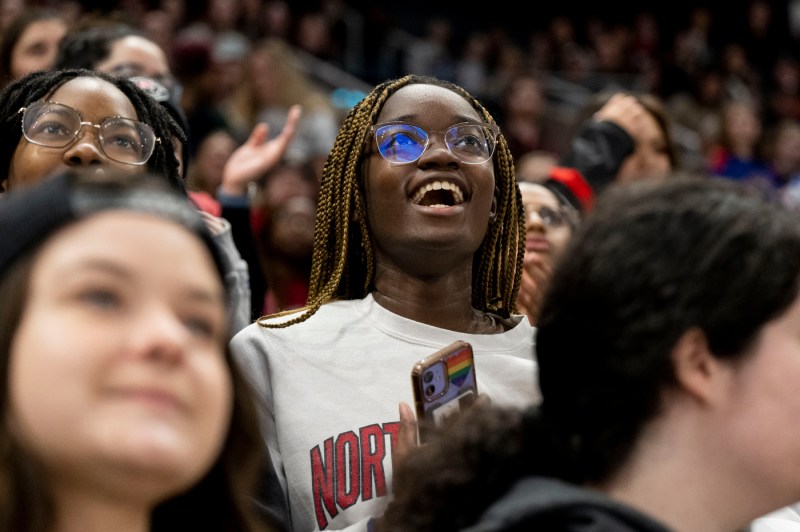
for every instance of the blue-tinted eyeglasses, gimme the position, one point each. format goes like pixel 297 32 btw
pixel 470 143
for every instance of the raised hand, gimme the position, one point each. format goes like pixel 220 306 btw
pixel 257 155
pixel 536 270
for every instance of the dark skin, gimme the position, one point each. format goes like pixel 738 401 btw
pixel 424 254
pixel 96 100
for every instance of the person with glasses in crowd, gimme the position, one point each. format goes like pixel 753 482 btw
pixel 103 101
pixel 54 120
pixel 89 107
pixel 419 241
pixel 125 51
pixel 550 221
pixel 122 406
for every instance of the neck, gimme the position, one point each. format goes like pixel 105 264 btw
pixel 86 509
pixel 675 477
pixel 444 301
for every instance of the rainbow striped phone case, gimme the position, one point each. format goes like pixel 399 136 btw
pixel 444 384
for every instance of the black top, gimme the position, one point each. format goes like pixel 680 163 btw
pixel 551 505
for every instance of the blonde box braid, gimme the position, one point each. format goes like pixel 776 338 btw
pixel 343 262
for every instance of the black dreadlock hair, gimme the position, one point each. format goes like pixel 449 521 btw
pixel 343 259
pixel 40 85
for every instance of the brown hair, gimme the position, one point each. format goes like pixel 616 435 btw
pixel 221 500
pixel 652 104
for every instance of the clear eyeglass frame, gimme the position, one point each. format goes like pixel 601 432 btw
pixel 554 218
pixel 381 133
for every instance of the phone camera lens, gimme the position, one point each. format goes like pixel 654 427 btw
pixel 429 390
pixel 428 377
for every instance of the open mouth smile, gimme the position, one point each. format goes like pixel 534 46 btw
pixel 438 194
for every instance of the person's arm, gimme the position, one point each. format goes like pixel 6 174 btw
pixel 598 150
pixel 536 271
pixel 257 155
pixel 245 165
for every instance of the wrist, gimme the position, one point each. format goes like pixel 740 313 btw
pixel 232 200
pixel 230 189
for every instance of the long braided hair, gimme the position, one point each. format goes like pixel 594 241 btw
pixel 39 85
pixel 343 263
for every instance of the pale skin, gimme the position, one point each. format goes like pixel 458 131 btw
pixel 249 162
pixel 252 159
pixel 725 428
pixel 37 47
pixel 257 155
pixel 543 245
pixel 650 157
pixel 96 100
pixel 138 55
pixel 133 406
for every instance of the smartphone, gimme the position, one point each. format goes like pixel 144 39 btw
pixel 444 384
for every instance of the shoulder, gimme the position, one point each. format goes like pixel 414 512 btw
pixel 539 503
pixel 278 327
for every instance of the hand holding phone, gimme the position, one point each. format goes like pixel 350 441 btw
pixel 444 383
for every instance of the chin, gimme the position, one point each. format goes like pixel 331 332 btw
pixel 158 478
pixel 162 464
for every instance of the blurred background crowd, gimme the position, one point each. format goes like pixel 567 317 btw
pixel 726 75
pixel 241 61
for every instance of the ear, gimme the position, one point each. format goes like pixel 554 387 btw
pixel 493 209
pixel 4 185
pixel 698 372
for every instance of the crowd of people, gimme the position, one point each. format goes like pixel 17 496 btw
pixel 217 276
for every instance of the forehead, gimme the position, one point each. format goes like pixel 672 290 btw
pixel 43 29
pixel 138 51
pixel 650 129
pixel 533 194
pixel 114 234
pixel 94 98
pixel 428 105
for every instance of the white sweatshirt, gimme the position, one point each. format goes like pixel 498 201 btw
pixel 329 390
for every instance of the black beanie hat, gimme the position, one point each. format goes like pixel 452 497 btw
pixel 29 215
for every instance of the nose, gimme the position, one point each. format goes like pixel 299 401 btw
pixel 159 336
pixel 85 150
pixel 533 220
pixel 437 152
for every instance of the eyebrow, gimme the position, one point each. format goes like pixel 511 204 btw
pixel 110 267
pixel 458 119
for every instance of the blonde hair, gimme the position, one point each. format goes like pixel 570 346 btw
pixel 292 84
pixel 343 263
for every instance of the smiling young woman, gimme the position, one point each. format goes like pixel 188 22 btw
pixel 122 406
pixel 419 240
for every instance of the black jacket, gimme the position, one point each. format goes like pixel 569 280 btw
pixel 595 156
pixel 548 505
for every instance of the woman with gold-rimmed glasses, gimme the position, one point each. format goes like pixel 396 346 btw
pixel 550 221
pixel 63 119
